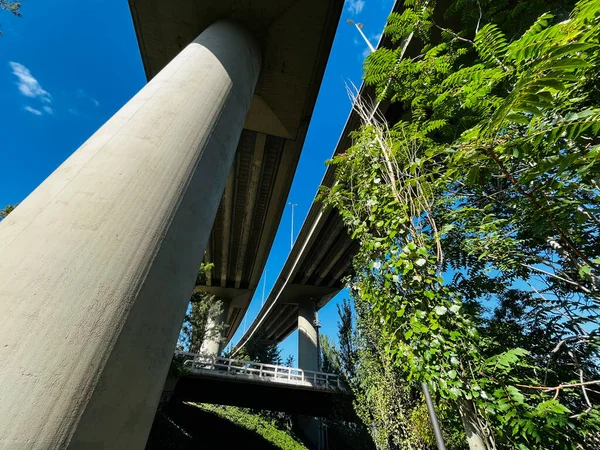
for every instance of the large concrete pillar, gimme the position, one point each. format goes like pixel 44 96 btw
pixel 98 262
pixel 307 336
pixel 213 344
pixel 308 359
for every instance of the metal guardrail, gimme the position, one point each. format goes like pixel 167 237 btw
pixel 200 363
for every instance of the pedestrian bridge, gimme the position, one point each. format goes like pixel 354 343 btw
pixel 203 364
pixel 226 381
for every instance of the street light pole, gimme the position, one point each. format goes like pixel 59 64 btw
pixel 359 27
pixel 264 286
pixel 292 232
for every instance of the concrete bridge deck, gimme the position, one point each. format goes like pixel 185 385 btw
pixel 209 379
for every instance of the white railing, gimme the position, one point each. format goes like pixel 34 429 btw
pixel 199 363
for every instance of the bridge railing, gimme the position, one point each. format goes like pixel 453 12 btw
pixel 196 362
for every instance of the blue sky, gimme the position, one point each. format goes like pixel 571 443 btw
pixel 68 66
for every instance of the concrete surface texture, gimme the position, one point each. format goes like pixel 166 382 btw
pixel 99 262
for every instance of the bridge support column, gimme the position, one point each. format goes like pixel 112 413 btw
pixel 308 356
pixel 213 344
pixel 308 359
pixel 99 261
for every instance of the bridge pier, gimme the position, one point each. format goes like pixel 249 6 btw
pixel 308 355
pixel 98 262
pixel 308 359
pixel 213 345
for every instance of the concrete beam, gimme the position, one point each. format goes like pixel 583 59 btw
pixel 335 257
pixel 238 298
pixel 262 119
pixel 257 160
pixel 228 214
pixel 284 314
pixel 343 269
pixel 99 261
pixel 289 159
pixel 324 248
pixel 297 293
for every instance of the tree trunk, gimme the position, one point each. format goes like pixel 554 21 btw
pixel 478 435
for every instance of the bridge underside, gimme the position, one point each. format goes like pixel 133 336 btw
pixel 206 388
pixel 296 37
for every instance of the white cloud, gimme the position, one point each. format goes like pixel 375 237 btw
pixel 33 111
pixel 74 112
pixel 355 6
pixel 366 52
pixel 82 94
pixel 48 110
pixel 28 85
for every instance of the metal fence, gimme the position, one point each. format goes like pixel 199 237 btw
pixel 200 363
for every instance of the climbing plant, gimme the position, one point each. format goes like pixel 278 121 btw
pixel 477 218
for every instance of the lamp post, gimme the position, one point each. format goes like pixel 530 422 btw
pixel 292 232
pixel 264 286
pixel 359 27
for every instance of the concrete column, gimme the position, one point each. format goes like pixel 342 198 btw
pixel 99 261
pixel 214 345
pixel 308 359
pixel 307 336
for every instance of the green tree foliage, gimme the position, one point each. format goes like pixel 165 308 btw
pixel 6 211
pixel 343 434
pixel 259 349
pixel 477 218
pixel 391 408
pixel 11 6
pixel 329 358
pixel 202 322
